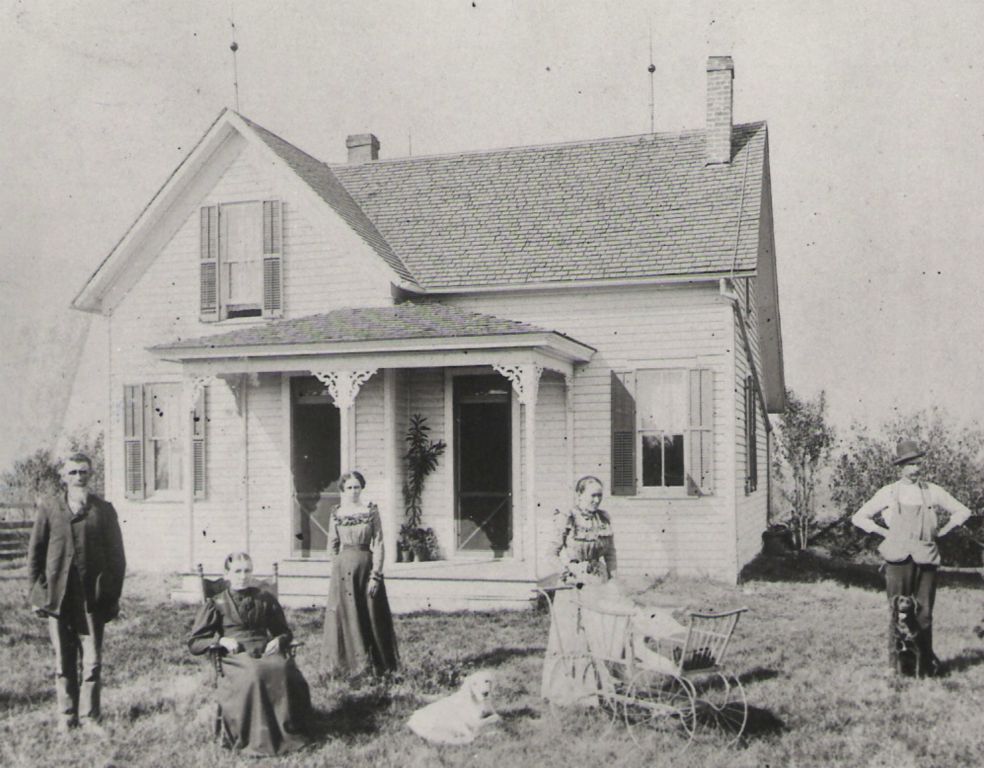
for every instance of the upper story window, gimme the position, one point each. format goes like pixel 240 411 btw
pixel 662 431
pixel 241 255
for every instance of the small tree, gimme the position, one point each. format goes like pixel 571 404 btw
pixel 803 444
pixel 954 460
pixel 421 460
pixel 37 476
pixel 34 477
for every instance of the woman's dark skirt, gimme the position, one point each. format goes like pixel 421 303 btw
pixel 359 635
pixel 264 704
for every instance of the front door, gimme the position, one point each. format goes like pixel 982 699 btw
pixel 315 463
pixel 483 464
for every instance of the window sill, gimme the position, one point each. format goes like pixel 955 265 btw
pixel 160 498
pixel 664 496
pixel 239 321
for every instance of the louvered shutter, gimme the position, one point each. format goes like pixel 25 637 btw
pixel 208 306
pixel 273 246
pixel 133 454
pixel 751 436
pixel 198 432
pixel 701 433
pixel 623 437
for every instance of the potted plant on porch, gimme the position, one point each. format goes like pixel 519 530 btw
pixel 421 460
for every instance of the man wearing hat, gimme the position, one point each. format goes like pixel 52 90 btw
pixel 908 508
pixel 76 566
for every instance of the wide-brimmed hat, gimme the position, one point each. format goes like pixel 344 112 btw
pixel 907 451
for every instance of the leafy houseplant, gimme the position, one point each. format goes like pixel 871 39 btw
pixel 421 460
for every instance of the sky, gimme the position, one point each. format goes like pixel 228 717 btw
pixel 876 131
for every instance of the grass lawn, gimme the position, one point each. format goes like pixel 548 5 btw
pixel 812 655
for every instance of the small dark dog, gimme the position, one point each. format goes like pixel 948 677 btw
pixel 905 631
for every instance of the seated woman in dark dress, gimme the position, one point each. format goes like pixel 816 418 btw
pixel 264 700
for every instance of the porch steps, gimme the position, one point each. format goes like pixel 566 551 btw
pixel 410 587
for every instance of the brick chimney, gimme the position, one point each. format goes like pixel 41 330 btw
pixel 720 100
pixel 362 148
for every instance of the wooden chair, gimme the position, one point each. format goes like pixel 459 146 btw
pixel 212 586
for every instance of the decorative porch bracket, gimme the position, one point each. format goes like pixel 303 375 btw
pixel 237 383
pixel 525 379
pixel 344 386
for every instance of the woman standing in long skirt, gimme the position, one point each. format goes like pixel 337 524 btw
pixel 359 635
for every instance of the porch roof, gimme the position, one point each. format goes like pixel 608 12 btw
pixel 355 331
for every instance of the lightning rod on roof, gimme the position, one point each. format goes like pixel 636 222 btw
pixel 652 88
pixel 234 48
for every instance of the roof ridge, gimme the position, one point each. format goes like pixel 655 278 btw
pixel 755 126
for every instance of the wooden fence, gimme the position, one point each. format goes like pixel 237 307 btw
pixel 16 519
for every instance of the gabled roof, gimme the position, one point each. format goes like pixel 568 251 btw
pixel 638 207
pixel 634 207
pixel 322 180
pixel 407 321
pixel 168 209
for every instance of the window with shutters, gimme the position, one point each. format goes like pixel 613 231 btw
pixel 241 251
pixel 751 436
pixel 662 432
pixel 156 437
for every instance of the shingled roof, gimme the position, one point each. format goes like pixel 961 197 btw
pixel 402 321
pixel 633 207
pixel 320 178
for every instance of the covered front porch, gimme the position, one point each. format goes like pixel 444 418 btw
pixel 498 393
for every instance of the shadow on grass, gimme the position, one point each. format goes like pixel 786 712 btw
pixel 810 566
pixel 354 714
pixel 11 699
pixel 725 722
pixel 762 723
pixel 727 711
pixel 499 656
pixel 523 712
pixel 964 661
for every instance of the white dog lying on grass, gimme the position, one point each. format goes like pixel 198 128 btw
pixel 458 718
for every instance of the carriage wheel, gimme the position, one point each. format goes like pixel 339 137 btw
pixel 575 683
pixel 723 706
pixel 653 700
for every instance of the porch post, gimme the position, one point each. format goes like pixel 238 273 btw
pixel 390 473
pixel 192 390
pixel 525 379
pixel 569 426
pixel 239 384
pixel 344 386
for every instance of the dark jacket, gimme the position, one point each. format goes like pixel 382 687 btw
pixel 92 541
pixel 253 617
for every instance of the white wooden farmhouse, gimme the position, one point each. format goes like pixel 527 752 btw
pixel 602 307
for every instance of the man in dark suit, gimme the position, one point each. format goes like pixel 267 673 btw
pixel 76 566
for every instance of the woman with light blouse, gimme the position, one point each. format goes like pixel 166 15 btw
pixel 911 528
pixel 359 637
pixel 583 546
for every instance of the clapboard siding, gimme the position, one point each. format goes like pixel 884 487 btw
pixel 633 328
pixel 554 488
pixel 219 524
pixel 370 442
pixel 325 266
pixel 269 511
